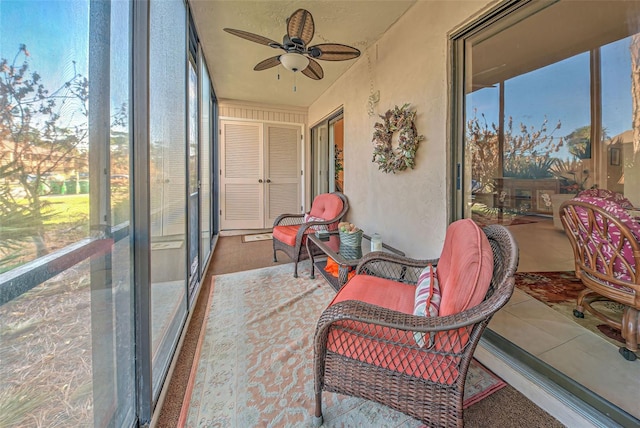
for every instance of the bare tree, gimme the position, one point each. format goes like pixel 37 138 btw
pixel 527 152
pixel 36 139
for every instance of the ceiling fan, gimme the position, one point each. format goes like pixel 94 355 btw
pixel 297 56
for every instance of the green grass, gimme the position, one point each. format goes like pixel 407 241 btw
pixel 66 220
pixel 66 209
pixel 74 209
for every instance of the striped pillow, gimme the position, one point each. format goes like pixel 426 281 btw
pixel 309 217
pixel 427 301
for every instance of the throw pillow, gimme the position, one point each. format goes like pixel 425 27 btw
pixel 427 301
pixel 308 217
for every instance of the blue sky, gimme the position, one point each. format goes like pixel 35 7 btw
pixel 55 32
pixel 561 92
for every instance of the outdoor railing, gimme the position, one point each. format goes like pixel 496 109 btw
pixel 23 278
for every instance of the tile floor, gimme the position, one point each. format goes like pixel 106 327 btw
pixel 555 339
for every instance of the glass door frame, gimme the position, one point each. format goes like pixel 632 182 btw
pixel 326 123
pixel 193 183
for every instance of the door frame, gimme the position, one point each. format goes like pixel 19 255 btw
pixel 327 122
pixel 221 156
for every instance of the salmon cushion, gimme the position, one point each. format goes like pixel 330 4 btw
pixel 327 206
pixel 287 234
pixel 378 291
pixel 465 267
pixel 345 338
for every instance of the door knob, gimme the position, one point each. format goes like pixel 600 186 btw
pixel 268 180
pixel 260 180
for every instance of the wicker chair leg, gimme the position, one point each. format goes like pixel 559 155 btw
pixel 317 417
pixel 295 269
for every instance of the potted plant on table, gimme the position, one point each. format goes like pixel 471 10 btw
pixel 350 234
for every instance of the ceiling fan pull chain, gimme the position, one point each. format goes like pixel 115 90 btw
pixel 294 82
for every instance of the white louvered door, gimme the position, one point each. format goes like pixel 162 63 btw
pixel 241 180
pixel 260 173
pixel 282 166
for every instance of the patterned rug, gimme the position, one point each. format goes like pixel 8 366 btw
pixel 254 359
pixel 559 290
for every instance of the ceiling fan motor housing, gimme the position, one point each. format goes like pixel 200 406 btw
pixel 293 44
pixel 314 52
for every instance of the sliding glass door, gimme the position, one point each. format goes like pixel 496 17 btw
pixel 168 184
pixel 206 107
pixel 327 156
pixel 546 105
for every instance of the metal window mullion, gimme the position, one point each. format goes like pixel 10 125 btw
pixel 215 163
pixel 188 63
pixel 103 327
pixel 597 136
pixel 201 65
pixel 456 120
pixel 141 218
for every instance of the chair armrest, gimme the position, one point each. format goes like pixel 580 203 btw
pixel 474 319
pixel 288 220
pixel 355 310
pixel 393 267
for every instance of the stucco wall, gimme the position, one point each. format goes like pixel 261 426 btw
pixel 409 64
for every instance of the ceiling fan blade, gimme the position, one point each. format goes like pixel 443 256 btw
pixel 300 26
pixel 267 63
pixel 333 52
pixel 253 37
pixel 313 70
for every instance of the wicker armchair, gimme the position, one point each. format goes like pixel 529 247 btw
pixel 606 248
pixel 381 362
pixel 290 230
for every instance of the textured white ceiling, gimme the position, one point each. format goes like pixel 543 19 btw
pixel 231 59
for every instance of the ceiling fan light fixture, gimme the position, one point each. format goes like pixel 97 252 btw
pixel 294 61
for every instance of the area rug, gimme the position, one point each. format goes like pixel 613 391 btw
pixel 253 365
pixel 559 290
pixel 257 237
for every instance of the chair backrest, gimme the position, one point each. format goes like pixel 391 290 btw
pixel 474 319
pixel 605 240
pixel 609 195
pixel 465 267
pixel 329 206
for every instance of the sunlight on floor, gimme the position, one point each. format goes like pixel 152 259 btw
pixel 555 339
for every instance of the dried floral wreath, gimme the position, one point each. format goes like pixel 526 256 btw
pixel 400 120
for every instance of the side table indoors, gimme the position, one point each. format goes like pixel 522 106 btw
pixel 346 257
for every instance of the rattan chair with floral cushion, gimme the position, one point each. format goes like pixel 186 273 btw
pixel 374 342
pixel 290 230
pixel 606 247
pixel 609 195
